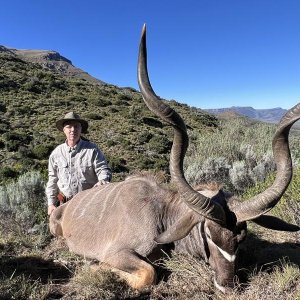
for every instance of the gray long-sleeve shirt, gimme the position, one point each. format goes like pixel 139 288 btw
pixel 72 170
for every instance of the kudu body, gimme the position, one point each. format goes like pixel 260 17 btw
pixel 124 225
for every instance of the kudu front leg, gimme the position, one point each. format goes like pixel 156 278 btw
pixel 136 272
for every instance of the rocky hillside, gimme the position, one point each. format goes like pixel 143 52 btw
pixel 52 61
pixel 39 87
pixel 272 115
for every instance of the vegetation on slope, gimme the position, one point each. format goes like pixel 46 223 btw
pixel 35 265
pixel 240 154
pixel 33 98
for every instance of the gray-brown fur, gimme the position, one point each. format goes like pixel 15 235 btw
pixel 124 224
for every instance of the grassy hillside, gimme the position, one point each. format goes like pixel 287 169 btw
pixel 234 151
pixel 33 98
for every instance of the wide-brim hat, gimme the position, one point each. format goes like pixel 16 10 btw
pixel 71 116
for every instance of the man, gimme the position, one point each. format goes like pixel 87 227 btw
pixel 75 165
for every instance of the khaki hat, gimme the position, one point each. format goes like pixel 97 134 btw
pixel 71 116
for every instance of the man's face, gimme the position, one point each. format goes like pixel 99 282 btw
pixel 72 130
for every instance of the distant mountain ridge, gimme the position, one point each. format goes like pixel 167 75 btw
pixel 272 115
pixel 55 62
pixel 52 61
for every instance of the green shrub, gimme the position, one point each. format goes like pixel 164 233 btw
pixel 161 165
pixel 111 143
pixel 113 109
pixel 7 84
pixel 7 173
pixel 152 122
pixel 145 137
pixel 144 163
pixel 24 110
pixel 101 102
pixel 4 126
pixel 12 146
pixel 13 140
pixel 57 84
pixel 76 98
pixel 124 97
pixel 103 92
pixel 288 208
pixel 2 107
pixel 117 164
pixel 93 116
pixel 26 163
pixel 135 111
pixel 160 144
pixel 42 151
pixel 33 86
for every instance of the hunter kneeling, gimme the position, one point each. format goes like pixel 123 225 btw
pixel 75 165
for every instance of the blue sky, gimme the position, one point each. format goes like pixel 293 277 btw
pixel 206 53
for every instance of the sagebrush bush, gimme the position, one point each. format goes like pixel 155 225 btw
pixel 239 175
pixel 236 154
pixel 24 200
pixel 212 169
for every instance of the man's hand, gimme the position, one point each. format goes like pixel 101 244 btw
pixel 51 208
pixel 101 182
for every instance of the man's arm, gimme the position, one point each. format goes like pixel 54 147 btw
pixel 51 187
pixel 101 167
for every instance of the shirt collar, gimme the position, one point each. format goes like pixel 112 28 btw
pixel 76 147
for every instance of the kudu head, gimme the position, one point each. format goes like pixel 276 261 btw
pixel 222 220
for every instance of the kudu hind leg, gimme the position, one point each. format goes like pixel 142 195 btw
pixel 135 271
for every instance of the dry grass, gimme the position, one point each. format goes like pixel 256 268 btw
pixel 269 268
pixel 33 267
pixel 36 266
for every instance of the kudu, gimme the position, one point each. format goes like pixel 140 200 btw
pixel 124 224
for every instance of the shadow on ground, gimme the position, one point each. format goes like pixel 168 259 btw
pixel 34 268
pixel 259 254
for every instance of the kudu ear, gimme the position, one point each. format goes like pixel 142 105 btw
pixel 180 229
pixel 275 223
